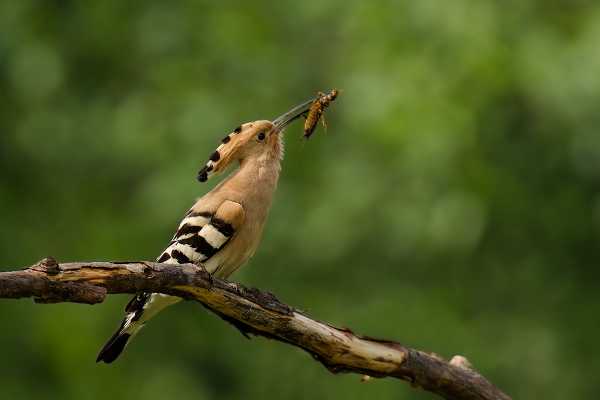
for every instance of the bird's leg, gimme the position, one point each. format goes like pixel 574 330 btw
pixel 211 280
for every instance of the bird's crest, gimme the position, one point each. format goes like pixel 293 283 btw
pixel 223 155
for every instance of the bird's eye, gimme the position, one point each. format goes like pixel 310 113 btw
pixel 261 136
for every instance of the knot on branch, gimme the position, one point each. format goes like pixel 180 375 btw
pixel 462 362
pixel 48 265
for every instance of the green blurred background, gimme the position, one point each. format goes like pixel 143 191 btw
pixel 453 204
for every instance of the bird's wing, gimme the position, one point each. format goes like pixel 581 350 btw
pixel 202 234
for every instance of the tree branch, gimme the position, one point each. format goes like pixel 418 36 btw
pixel 253 312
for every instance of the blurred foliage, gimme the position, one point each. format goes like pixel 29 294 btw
pixel 452 205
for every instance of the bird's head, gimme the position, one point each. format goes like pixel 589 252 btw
pixel 259 139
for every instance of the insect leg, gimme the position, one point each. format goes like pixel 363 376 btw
pixel 324 122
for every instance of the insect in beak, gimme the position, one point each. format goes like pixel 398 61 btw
pixel 284 120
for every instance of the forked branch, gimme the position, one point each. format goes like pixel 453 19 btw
pixel 253 312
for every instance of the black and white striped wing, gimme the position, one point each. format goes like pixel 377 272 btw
pixel 202 234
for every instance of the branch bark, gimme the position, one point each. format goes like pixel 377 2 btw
pixel 253 312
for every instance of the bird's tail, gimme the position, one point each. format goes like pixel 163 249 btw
pixel 114 347
pixel 130 325
pixel 139 310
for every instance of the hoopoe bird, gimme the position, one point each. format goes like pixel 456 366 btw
pixel 223 228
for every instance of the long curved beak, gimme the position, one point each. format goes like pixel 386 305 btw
pixel 284 120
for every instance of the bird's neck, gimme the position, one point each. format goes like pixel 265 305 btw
pixel 261 172
pixel 258 174
pixel 256 179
